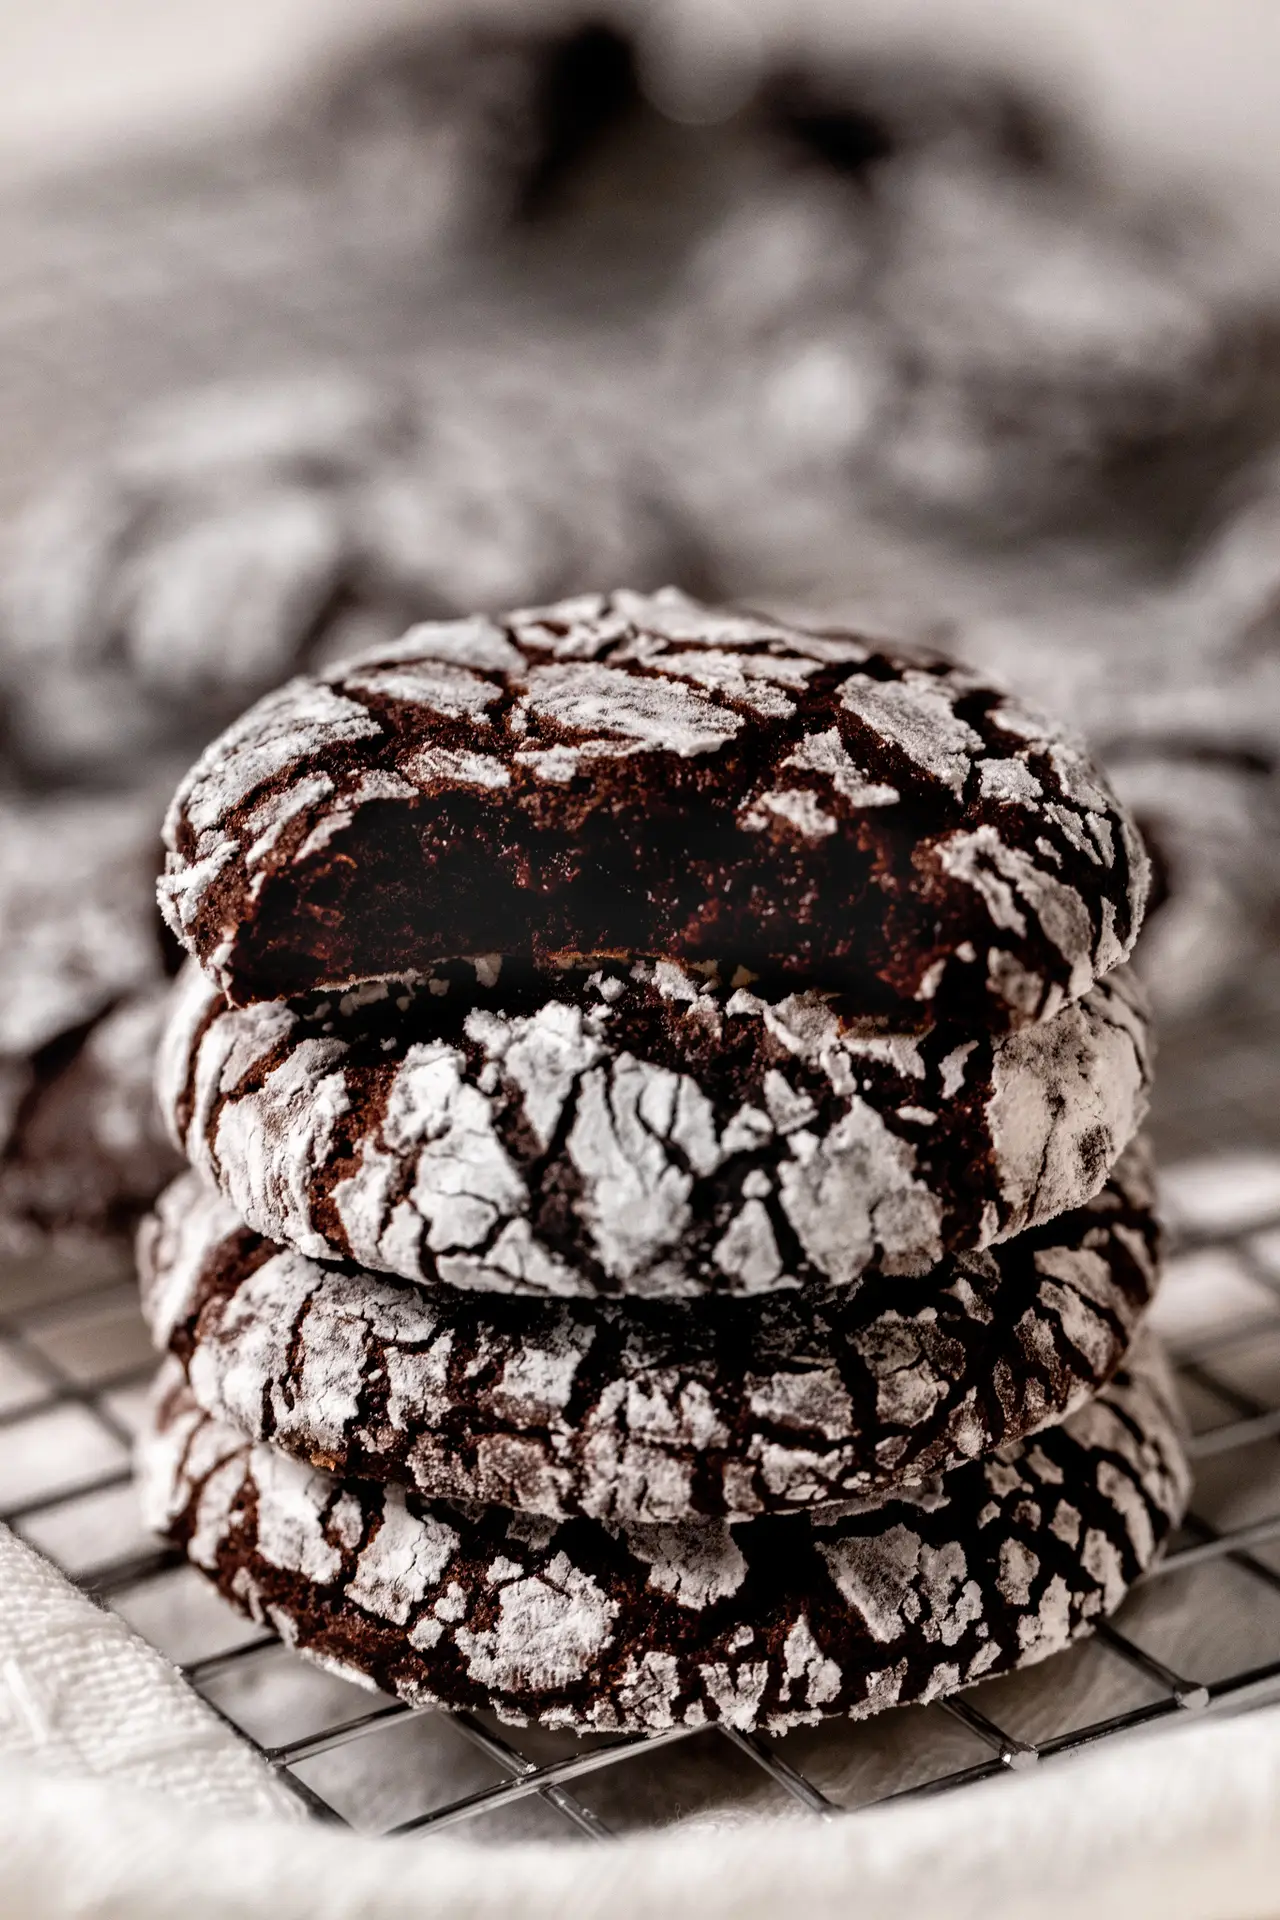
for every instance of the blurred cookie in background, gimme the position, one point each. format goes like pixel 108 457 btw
pixel 1189 731
pixel 1177 685
pixel 1211 828
pixel 167 583
pixel 85 1153
pixel 78 925
pixel 458 131
pixel 938 306
pixel 82 986
pixel 238 534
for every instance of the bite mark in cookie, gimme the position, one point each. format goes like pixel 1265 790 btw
pixel 643 774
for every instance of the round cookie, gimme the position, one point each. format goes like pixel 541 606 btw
pixel 648 1411
pixel 622 773
pixel 770 1623
pixel 642 1130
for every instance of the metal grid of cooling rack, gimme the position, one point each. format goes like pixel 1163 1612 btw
pixel 1201 1634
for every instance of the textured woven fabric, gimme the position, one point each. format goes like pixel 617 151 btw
pixel 80 1695
pixel 1184 1827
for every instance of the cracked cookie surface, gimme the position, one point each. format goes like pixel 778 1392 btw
pixel 770 1623
pixel 643 1129
pixel 643 774
pixel 648 1411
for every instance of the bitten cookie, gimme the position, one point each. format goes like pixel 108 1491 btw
pixel 771 1623
pixel 648 1412
pixel 622 773
pixel 642 1130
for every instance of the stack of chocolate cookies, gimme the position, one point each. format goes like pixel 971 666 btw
pixel 666 1238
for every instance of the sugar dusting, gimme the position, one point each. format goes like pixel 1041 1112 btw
pixel 840 1132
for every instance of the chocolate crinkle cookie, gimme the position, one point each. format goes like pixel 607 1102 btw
pixel 643 1130
pixel 645 774
pixel 83 986
pixel 771 1623
pixel 649 1412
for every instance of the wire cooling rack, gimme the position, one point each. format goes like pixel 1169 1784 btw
pixel 1201 1634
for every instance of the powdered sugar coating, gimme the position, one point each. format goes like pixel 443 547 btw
pixel 648 1412
pixel 636 773
pixel 642 1130
pixel 768 1623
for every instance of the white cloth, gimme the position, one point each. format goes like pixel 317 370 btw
pixel 1183 1826
pixel 122 1797
pixel 81 1695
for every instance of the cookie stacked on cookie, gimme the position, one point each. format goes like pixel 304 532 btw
pixel 666 1238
